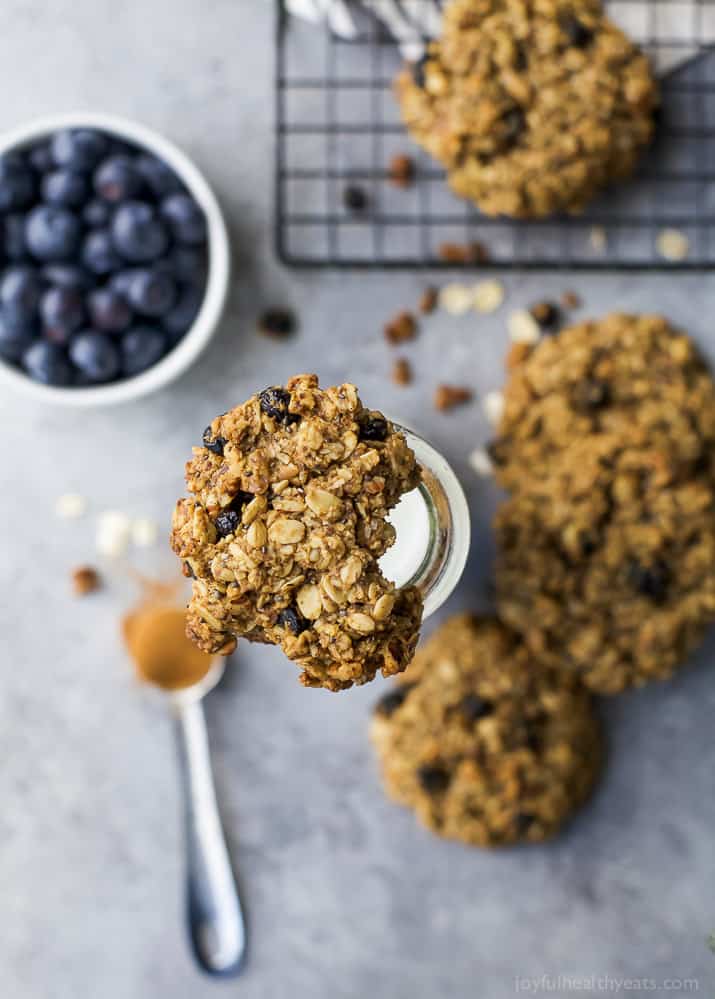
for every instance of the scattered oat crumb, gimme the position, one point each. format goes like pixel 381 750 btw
pixel 428 301
pixel 570 300
pixel 547 315
pixel 402 170
pixel 481 462
pixel 448 396
pixel 70 506
pixel 144 532
pixel 493 407
pixel 113 533
pixel 277 323
pixel 402 327
pixel 672 244
pixel 523 328
pixel 85 580
pixel 456 299
pixel 517 353
pixel 401 371
pixel 598 239
pixel 463 253
pixel 488 296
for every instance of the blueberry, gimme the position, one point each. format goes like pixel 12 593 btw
pixel 158 177
pixel 117 179
pixel 108 311
pixel 188 264
pixel 98 253
pixel 20 291
pixel 17 183
pixel 47 363
pixel 181 317
pixel 15 337
pixel 13 236
pixel 95 355
pixel 211 443
pixel 185 219
pixel 138 232
pixel 62 312
pixel 151 292
pixel 120 281
pixel 373 427
pixel 227 522
pixel 292 621
pixel 67 276
pixel 274 402
pixel 432 778
pixel 78 148
pixel 141 348
pixel 52 233
pixel 651 581
pixel 96 214
pixel 40 158
pixel 576 31
pixel 65 188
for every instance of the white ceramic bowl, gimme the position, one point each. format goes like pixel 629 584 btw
pixel 189 348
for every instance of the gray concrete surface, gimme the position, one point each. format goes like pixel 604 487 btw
pixel 346 896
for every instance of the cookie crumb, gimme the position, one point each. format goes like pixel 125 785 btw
pixel 488 296
pixel 598 239
pixel 85 580
pixel 480 461
pixel 456 299
pixel 144 533
pixel 463 253
pixel 547 315
pixel 401 171
pixel 70 506
pixel 448 396
pixel 355 199
pixel 402 327
pixel 277 323
pixel 570 300
pixel 428 300
pixel 113 533
pixel 493 407
pixel 672 245
pixel 523 327
pixel 401 371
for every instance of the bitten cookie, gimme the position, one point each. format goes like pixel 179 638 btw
pixel 485 747
pixel 532 106
pixel 284 529
pixel 629 377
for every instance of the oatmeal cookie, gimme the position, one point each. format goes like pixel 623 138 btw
pixel 632 378
pixel 485 747
pixel 607 567
pixel 532 106
pixel 284 528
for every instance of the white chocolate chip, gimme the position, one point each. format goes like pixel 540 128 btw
pixel 488 296
pixel 456 299
pixel 672 244
pixel 144 532
pixel 493 407
pixel 113 533
pixel 70 506
pixel 523 328
pixel 598 239
pixel 481 462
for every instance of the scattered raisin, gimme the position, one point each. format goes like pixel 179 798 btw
pixel 576 31
pixel 401 371
pixel 354 198
pixel 401 171
pixel 278 323
pixel 402 327
pixel 428 301
pixel 448 396
pixel 292 621
pixel 433 779
pixel 214 444
pixel 650 581
pixel 274 402
pixel 472 708
pixel 373 427
pixel 591 395
pixel 547 315
pixel 390 702
pixel 463 253
pixel 85 580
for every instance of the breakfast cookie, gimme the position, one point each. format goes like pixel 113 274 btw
pixel 632 378
pixel 284 529
pixel 607 567
pixel 532 106
pixel 485 747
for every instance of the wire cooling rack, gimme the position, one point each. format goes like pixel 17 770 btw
pixel 338 126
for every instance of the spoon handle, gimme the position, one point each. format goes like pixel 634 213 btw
pixel 213 907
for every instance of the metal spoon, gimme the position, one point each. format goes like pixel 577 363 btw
pixel 215 919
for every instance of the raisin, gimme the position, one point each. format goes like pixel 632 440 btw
pixel 576 31
pixel 355 198
pixel 472 708
pixel 514 122
pixel 523 823
pixel 433 779
pixel 591 395
pixel 373 427
pixel 278 323
pixel 292 621
pixel 214 444
pixel 547 315
pixel 390 702
pixel 274 402
pixel 498 451
pixel 650 581
pixel 227 522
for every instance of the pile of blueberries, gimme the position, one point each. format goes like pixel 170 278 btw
pixel 104 259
